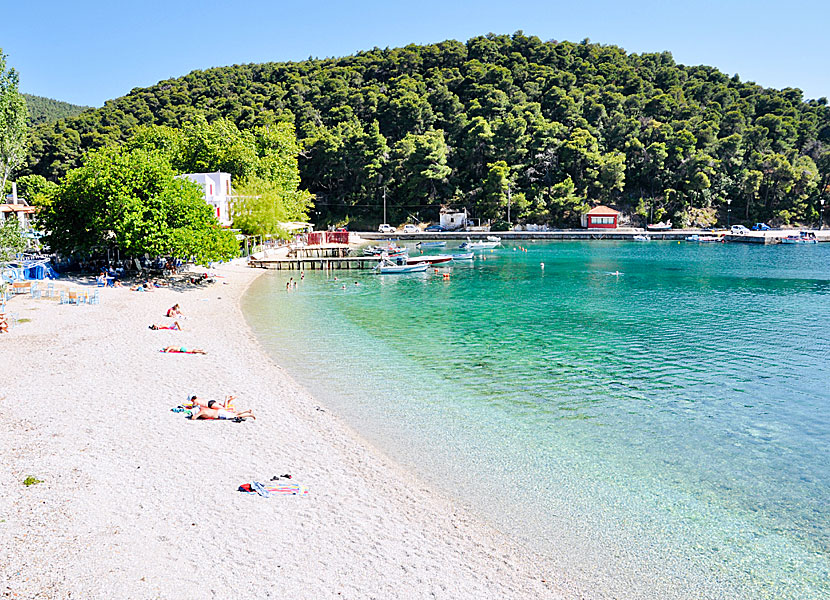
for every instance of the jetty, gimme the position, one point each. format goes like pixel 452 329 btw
pixel 320 263
pixel 316 257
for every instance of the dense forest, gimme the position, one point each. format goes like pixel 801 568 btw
pixel 548 127
pixel 46 110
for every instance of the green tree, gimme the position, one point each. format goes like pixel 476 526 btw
pixel 131 200
pixel 35 188
pixel 11 239
pixel 264 206
pixel 13 117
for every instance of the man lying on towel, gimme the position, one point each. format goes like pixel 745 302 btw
pixel 203 412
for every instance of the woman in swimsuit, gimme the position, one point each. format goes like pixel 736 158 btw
pixel 174 327
pixel 183 350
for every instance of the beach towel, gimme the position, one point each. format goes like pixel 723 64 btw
pixel 179 351
pixel 291 489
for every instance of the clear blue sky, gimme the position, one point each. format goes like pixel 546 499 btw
pixel 89 51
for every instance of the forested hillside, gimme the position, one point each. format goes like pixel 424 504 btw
pixel 553 126
pixel 46 110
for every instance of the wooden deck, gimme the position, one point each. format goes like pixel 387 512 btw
pixel 310 263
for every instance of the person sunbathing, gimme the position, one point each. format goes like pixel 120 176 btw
pixel 174 311
pixel 203 412
pixel 183 350
pixel 195 400
pixel 174 327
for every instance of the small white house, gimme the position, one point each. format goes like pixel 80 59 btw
pixel 452 219
pixel 218 193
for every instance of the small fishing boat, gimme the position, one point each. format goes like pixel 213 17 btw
pixel 478 245
pixel 804 237
pixel 705 238
pixel 493 238
pixel 430 244
pixel 465 256
pixel 662 226
pixel 435 259
pixel 641 238
pixel 391 250
pixel 387 267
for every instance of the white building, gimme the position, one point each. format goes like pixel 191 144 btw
pixel 218 193
pixel 452 219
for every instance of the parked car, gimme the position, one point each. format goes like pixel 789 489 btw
pixel 410 228
pixel 739 230
pixel 761 227
pixel 435 227
pixel 386 228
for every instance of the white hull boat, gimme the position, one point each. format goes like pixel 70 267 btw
pixel 390 268
pixel 478 245
pixel 435 259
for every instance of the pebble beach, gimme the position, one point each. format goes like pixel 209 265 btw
pixel 135 501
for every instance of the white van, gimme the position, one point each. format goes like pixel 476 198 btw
pixel 386 228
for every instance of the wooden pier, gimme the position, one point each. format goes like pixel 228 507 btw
pixel 321 263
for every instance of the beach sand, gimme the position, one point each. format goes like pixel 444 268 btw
pixel 138 502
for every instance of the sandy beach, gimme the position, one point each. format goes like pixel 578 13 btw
pixel 138 502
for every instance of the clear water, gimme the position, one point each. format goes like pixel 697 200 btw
pixel 653 417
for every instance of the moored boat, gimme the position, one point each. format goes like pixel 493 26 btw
pixel 391 250
pixel 641 238
pixel 705 238
pixel 478 245
pixel 662 226
pixel 389 268
pixel 463 256
pixel 803 237
pixel 434 259
pixel 430 244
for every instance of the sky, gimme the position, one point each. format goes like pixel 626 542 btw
pixel 88 51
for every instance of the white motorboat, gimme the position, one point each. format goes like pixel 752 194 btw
pixel 478 245
pixel 465 256
pixel 642 238
pixel 387 267
pixel 430 259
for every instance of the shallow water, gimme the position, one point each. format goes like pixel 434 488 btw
pixel 651 416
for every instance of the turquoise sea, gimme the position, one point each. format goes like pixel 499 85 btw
pixel 653 417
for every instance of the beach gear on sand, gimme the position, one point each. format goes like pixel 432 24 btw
pixel 289 489
pixel 260 489
pixel 181 350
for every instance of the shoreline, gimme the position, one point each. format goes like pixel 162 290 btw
pixel 138 502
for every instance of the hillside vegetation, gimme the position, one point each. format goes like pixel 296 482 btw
pixel 550 127
pixel 47 110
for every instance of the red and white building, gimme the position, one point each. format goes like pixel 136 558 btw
pixel 601 217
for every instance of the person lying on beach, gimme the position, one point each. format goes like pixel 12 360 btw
pixel 174 327
pixel 183 350
pixel 174 311
pixel 147 286
pixel 202 412
pixel 196 401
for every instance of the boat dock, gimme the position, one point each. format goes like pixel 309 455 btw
pixel 318 263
